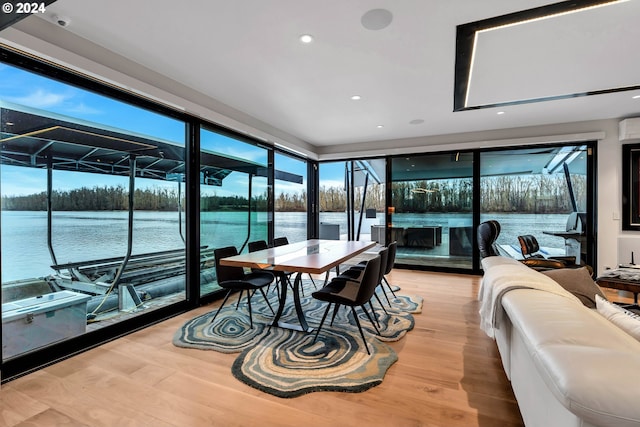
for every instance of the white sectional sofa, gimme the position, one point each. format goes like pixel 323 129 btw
pixel 568 365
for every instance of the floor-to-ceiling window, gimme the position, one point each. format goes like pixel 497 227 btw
pixel 432 209
pixel 100 211
pixel 539 191
pixel 352 199
pixel 233 197
pixel 290 198
pixel 92 230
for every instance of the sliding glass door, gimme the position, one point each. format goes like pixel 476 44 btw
pixel 290 198
pixel 92 225
pixel 431 209
pixel 233 198
pixel 541 191
pixel 352 200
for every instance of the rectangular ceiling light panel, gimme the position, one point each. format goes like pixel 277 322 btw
pixel 573 53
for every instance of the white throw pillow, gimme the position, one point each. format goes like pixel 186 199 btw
pixel 624 319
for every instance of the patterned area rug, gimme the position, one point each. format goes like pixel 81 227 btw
pixel 288 363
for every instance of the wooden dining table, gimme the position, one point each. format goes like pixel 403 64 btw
pixel 310 256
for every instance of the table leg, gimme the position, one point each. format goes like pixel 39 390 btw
pixel 283 300
pixel 298 306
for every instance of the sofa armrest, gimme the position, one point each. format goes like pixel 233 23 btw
pixel 589 364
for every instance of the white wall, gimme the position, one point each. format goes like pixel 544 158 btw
pixel 95 61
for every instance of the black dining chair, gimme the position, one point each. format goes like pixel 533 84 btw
pixel 259 245
pixel 391 259
pixel 281 241
pixel 356 271
pixel 351 293
pixel 235 279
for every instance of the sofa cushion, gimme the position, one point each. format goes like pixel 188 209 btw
pixel 546 319
pixel 502 275
pixel 578 281
pixel 624 319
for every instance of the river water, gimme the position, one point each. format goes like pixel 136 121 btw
pixel 90 235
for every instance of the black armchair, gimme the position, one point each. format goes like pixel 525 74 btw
pixel 487 235
pixel 531 249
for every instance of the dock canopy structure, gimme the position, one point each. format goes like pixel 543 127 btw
pixel 40 139
pixel 34 138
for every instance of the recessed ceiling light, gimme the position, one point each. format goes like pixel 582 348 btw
pixel 306 38
pixel 380 126
pixel 416 122
pixel 356 97
pixel 635 97
pixel 500 113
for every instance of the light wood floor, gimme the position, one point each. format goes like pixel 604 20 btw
pixel 448 374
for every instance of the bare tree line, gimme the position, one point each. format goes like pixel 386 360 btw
pixel 528 194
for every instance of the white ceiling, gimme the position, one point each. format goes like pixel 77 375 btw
pixel 246 54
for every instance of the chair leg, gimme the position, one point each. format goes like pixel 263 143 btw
pixel 380 302
pixel 290 284
pixel 277 289
pixel 240 298
pixel 277 282
pixel 322 322
pixel 335 312
pixel 373 312
pixel 385 281
pixel 313 281
pixel 226 297
pixel 249 295
pixel 355 315
pixel 370 318
pixel 266 299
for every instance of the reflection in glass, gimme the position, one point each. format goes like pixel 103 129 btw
pixel 535 191
pixel 233 198
pixel 290 200
pixel 352 200
pixel 91 211
pixel 432 211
